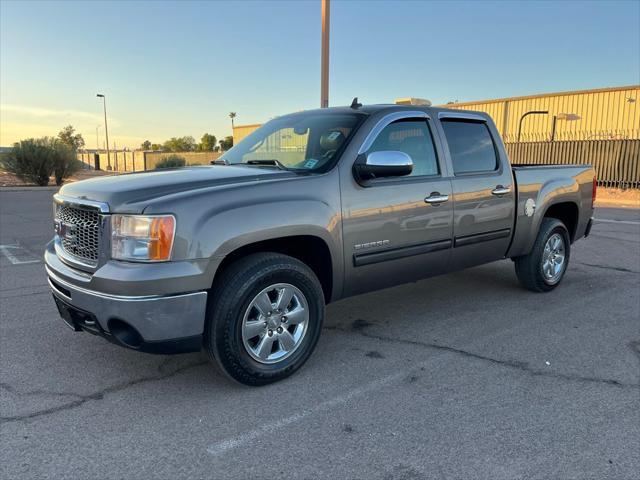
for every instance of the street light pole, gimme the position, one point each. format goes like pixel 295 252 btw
pixel 97 139
pixel 532 112
pixel 569 117
pixel 324 73
pixel 106 131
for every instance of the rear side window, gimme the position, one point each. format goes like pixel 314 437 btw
pixel 471 146
pixel 412 137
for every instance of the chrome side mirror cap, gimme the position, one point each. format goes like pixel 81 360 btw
pixel 389 163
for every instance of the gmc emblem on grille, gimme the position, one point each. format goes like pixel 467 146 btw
pixel 65 230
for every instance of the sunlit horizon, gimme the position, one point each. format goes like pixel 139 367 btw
pixel 173 69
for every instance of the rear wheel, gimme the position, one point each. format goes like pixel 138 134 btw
pixel 264 318
pixel 543 269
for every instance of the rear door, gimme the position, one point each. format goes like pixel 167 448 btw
pixel 483 189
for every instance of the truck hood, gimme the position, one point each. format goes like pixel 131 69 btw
pixel 130 193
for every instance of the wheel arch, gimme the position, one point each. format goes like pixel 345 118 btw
pixel 567 212
pixel 311 250
pixel 557 198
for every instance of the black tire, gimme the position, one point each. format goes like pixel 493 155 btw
pixel 230 298
pixel 529 267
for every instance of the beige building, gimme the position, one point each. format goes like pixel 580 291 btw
pixel 597 114
pixel 241 131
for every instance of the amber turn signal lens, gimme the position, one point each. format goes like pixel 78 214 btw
pixel 161 238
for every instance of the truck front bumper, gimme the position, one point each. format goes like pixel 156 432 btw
pixel 149 323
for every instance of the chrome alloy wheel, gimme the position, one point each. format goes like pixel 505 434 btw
pixel 275 323
pixel 553 259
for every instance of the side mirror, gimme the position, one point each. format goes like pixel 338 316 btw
pixel 390 163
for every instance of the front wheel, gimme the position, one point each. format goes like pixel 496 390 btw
pixel 544 267
pixel 264 318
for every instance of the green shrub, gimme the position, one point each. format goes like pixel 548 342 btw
pixel 32 160
pixel 171 161
pixel 36 159
pixel 65 163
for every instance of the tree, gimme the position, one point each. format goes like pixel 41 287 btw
pixel 180 144
pixel 65 162
pixel 207 143
pixel 146 145
pixel 232 116
pixel 156 146
pixel 70 138
pixel 226 143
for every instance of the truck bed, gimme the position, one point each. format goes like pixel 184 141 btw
pixel 534 184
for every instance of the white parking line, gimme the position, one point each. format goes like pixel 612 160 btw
pixel 6 251
pixel 219 448
pixel 607 220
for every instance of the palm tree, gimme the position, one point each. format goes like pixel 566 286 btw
pixel 232 115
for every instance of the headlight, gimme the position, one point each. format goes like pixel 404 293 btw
pixel 142 238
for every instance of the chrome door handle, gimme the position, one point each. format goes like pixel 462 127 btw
pixel 500 190
pixel 436 198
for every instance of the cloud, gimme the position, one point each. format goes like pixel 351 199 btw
pixel 51 113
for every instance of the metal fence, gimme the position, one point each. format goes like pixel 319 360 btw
pixel 139 161
pixel 616 162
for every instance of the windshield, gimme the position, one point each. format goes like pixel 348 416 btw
pixel 301 142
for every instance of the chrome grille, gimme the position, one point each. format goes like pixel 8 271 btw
pixel 78 231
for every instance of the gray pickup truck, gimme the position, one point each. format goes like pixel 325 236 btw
pixel 241 257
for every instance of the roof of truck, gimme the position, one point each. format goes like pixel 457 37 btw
pixel 375 108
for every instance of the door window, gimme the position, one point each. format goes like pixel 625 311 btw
pixel 471 146
pixel 412 137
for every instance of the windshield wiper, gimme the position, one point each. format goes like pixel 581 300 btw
pixel 219 161
pixel 274 163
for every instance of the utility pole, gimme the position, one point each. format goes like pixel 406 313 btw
pixel 324 74
pixel 106 131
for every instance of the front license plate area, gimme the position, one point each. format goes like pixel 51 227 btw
pixel 65 312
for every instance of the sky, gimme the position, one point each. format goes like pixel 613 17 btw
pixel 174 68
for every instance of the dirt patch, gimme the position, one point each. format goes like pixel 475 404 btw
pixel 617 197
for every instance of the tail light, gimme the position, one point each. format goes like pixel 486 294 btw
pixel 593 190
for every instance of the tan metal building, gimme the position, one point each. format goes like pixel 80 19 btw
pixel 598 114
pixel 241 131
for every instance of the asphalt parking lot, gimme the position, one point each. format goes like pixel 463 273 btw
pixel 461 376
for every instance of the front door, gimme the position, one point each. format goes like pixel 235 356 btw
pixel 398 229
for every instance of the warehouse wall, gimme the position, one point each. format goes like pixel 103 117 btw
pixel 241 131
pixel 607 113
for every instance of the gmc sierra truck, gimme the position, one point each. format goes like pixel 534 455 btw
pixel 240 258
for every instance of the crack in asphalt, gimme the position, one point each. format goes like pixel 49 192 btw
pixel 37 393
pixel 358 328
pixel 521 366
pixel 607 267
pixel 99 395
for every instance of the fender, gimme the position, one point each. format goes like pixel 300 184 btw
pixel 287 217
